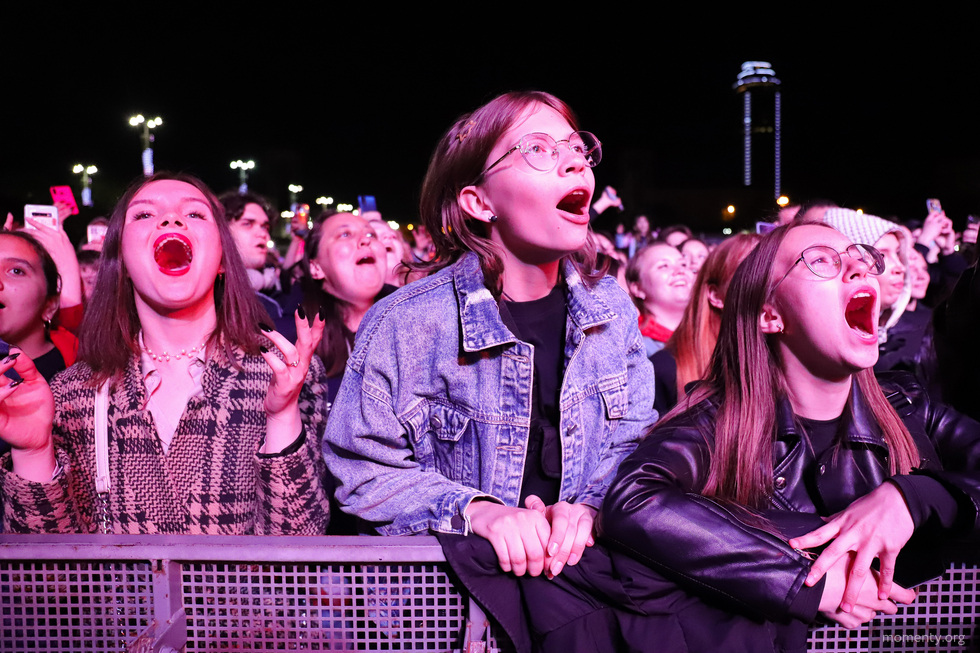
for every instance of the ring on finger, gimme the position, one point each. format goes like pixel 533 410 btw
pixel 294 364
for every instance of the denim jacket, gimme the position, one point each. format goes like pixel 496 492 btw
pixel 434 408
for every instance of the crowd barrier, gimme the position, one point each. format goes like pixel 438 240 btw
pixel 165 594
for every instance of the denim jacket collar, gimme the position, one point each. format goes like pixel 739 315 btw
pixel 479 315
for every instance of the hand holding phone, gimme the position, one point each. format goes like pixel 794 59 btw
pixel 45 214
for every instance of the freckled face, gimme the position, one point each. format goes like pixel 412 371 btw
pixel 541 216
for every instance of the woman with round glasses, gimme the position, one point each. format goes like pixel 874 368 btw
pixel 498 395
pixel 770 490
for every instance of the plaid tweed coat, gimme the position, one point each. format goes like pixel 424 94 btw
pixel 211 481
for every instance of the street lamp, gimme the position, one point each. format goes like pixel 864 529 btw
pixel 294 191
pixel 146 138
pixel 243 167
pixel 86 172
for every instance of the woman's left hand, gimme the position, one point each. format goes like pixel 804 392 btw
pixel 877 525
pixel 288 375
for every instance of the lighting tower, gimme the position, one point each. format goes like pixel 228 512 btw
pixel 86 172
pixel 243 167
pixel 146 138
pixel 760 122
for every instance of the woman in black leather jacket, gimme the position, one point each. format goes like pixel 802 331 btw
pixel 773 487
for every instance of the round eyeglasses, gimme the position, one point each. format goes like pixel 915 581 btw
pixel 825 261
pixel 541 150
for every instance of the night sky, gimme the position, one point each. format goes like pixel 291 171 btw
pixel 346 107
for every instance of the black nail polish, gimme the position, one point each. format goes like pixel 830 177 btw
pixel 265 327
pixel 263 349
pixel 322 313
pixel 12 357
pixel 301 312
pixel 16 383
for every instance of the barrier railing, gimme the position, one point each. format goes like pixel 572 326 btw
pixel 97 593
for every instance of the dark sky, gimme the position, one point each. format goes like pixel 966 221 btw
pixel 346 107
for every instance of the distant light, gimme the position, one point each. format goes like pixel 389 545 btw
pixel 782 201
pixel 730 209
pixel 345 208
pixel 727 231
pixel 286 214
pixel 136 120
pixel 271 244
pixel 410 227
pixel 295 188
pixel 860 211
pixel 394 225
pixel 78 168
pixel 243 165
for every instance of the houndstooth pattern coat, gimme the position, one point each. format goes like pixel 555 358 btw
pixel 213 480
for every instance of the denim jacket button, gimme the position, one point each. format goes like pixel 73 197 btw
pixel 435 422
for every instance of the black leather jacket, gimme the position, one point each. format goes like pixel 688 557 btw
pixel 654 511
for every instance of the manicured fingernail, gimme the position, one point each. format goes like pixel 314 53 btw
pixel 845 607
pixel 556 567
pixel 301 312
pixel 322 313
pixel 552 548
pixel 263 349
pixel 14 384
pixel 265 327
pixel 11 357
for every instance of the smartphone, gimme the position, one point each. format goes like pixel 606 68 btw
pixel 96 232
pixel 933 205
pixel 64 194
pixel 367 203
pixel 43 213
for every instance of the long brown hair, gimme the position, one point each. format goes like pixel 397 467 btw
pixel 745 377
pixel 111 326
pixel 694 339
pixel 458 161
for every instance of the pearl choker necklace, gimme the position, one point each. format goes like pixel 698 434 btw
pixel 166 356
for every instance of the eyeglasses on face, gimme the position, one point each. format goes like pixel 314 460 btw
pixel 825 261
pixel 540 151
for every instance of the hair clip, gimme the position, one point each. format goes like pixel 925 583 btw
pixel 463 134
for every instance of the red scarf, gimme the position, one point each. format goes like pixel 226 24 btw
pixel 650 329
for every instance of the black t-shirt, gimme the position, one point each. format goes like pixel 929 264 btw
pixel 541 323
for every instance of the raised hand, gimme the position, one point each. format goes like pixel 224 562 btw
pixel 26 418
pixel 288 375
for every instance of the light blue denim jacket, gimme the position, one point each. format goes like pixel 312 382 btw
pixel 435 405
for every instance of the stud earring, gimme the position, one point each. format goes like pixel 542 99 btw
pixel 493 218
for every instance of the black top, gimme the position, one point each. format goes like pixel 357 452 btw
pixel 541 323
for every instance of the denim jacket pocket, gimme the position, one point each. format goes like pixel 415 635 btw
pixel 440 435
pixel 615 397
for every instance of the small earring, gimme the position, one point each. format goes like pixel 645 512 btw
pixel 493 218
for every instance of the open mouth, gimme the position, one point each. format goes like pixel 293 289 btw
pixel 367 259
pixel 173 254
pixel 860 313
pixel 576 202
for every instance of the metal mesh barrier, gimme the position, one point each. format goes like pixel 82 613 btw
pixel 140 594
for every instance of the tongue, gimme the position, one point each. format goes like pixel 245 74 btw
pixel 173 257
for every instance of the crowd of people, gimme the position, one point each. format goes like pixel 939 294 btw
pixel 618 438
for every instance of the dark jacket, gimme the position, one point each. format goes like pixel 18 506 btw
pixel 655 513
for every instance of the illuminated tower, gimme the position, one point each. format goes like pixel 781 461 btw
pixel 760 124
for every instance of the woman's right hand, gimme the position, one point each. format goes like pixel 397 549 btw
pixel 519 535
pixel 866 606
pixel 26 419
